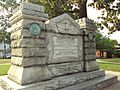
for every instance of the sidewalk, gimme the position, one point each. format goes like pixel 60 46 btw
pixel 115 86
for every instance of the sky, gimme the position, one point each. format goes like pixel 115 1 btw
pixel 93 14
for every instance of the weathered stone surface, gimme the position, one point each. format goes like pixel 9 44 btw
pixel 21 16
pixel 90 57
pixel 25 24
pixel 64 48
pixel 88 35
pixel 92 66
pixel 28 42
pixel 29 12
pixel 89 31
pixel 28 75
pixel 90 51
pixel 29 6
pixel 63 24
pixel 65 68
pixel 88 40
pixel 86 23
pixel 55 83
pixel 34 13
pixel 94 84
pixel 29 52
pixel 24 33
pixel 89 45
pixel 31 61
pixel 25 8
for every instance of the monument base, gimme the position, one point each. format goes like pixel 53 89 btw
pixel 79 81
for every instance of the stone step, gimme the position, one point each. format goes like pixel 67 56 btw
pixel 94 84
pixel 56 84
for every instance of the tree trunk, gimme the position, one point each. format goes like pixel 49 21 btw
pixel 82 4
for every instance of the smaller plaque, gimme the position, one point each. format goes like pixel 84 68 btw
pixel 35 29
pixel 91 36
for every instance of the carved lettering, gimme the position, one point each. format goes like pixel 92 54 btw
pixel 65 47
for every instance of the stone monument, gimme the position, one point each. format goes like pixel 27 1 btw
pixel 55 54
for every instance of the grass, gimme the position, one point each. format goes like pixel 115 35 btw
pixel 5 64
pixel 4 68
pixel 110 67
pixel 115 66
pixel 117 60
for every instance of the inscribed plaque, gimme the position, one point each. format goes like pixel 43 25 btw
pixel 65 47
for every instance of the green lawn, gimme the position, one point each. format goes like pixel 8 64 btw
pixel 117 60
pixel 5 64
pixel 4 68
pixel 110 66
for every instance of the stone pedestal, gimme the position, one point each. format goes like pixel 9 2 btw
pixel 29 52
pixel 89 28
pixel 50 54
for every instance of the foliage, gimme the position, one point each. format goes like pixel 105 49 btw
pixel 54 7
pixel 6 8
pixel 8 5
pixel 110 17
pixel 105 44
pixel 5 36
pixel 58 7
pixel 110 10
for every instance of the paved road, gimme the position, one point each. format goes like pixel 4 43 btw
pixel 115 86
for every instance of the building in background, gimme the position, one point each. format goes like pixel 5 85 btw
pixel 101 54
pixel 117 54
pixel 5 50
pixel 105 54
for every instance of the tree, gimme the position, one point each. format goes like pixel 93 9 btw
pixel 109 17
pixel 54 8
pixel 105 44
pixel 110 14
pixel 5 36
pixel 58 7
pixel 6 8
